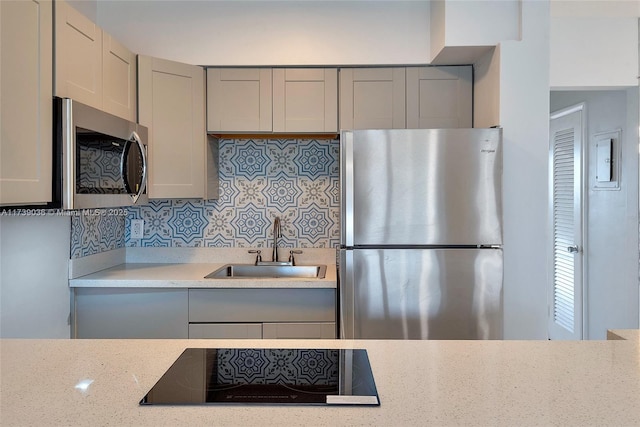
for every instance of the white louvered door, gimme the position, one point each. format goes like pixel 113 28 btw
pixel 566 298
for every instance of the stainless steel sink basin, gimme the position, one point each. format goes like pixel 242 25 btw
pixel 248 271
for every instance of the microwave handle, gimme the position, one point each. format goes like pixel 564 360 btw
pixel 143 152
pixel 68 135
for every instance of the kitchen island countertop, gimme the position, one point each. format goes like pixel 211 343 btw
pixel 100 382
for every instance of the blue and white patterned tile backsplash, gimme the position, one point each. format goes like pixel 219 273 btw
pixel 294 179
pixel 93 232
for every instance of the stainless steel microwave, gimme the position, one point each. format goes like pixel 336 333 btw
pixel 104 157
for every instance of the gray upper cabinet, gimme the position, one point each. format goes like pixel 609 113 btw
pixel 305 100
pixel 239 100
pixel 91 67
pixel 26 29
pixel 406 97
pixel 372 98
pixel 172 106
pixel 78 43
pixel 439 97
pixel 119 84
pixel 265 100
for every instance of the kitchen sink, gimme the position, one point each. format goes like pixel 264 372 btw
pixel 252 271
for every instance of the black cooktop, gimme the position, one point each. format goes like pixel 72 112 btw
pixel 202 376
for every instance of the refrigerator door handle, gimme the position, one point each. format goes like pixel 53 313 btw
pixel 346 188
pixel 346 297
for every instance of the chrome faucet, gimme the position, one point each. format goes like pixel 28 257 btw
pixel 277 232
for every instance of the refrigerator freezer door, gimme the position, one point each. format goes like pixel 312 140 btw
pixel 421 187
pixel 421 294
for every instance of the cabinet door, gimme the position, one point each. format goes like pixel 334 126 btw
pixel 225 330
pixel 78 47
pixel 26 102
pixel 171 105
pixel 372 98
pixel 118 79
pixel 305 100
pixel 439 97
pixel 299 330
pixel 239 100
pixel 131 313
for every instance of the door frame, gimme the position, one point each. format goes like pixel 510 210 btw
pixel 583 187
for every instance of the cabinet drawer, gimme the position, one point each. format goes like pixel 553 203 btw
pixel 131 313
pixel 299 330
pixel 261 305
pixel 225 330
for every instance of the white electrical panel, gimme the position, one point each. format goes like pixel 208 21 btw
pixel 605 160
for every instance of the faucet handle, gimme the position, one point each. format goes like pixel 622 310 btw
pixel 258 257
pixel 291 258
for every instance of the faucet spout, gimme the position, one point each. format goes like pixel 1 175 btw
pixel 277 232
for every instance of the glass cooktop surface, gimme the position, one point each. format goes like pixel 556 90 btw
pixel 203 376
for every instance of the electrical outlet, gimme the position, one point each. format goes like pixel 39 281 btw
pixel 137 228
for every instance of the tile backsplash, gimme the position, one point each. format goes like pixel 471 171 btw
pixel 294 179
pixel 93 232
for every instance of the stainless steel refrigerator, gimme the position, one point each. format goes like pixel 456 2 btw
pixel 421 234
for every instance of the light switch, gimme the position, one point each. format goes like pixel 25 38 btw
pixel 604 160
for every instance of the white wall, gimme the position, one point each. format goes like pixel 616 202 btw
pixel 594 8
pixel 594 52
pixel 524 115
pixel 512 90
pixel 437 27
pixel 34 286
pixel 594 44
pixel 88 8
pixel 272 32
pixel 486 90
pixel 611 243
pixel 463 30
pixel 473 23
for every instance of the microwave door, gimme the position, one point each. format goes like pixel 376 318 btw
pixel 98 163
pixel 134 169
pixel 102 162
pixel 103 157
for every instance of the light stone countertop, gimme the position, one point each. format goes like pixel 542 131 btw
pixel 187 267
pixel 624 334
pixel 420 383
pixel 190 275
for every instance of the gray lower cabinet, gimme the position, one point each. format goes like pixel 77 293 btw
pixel 225 330
pixel 262 313
pixel 204 313
pixel 300 330
pixel 310 330
pixel 131 313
